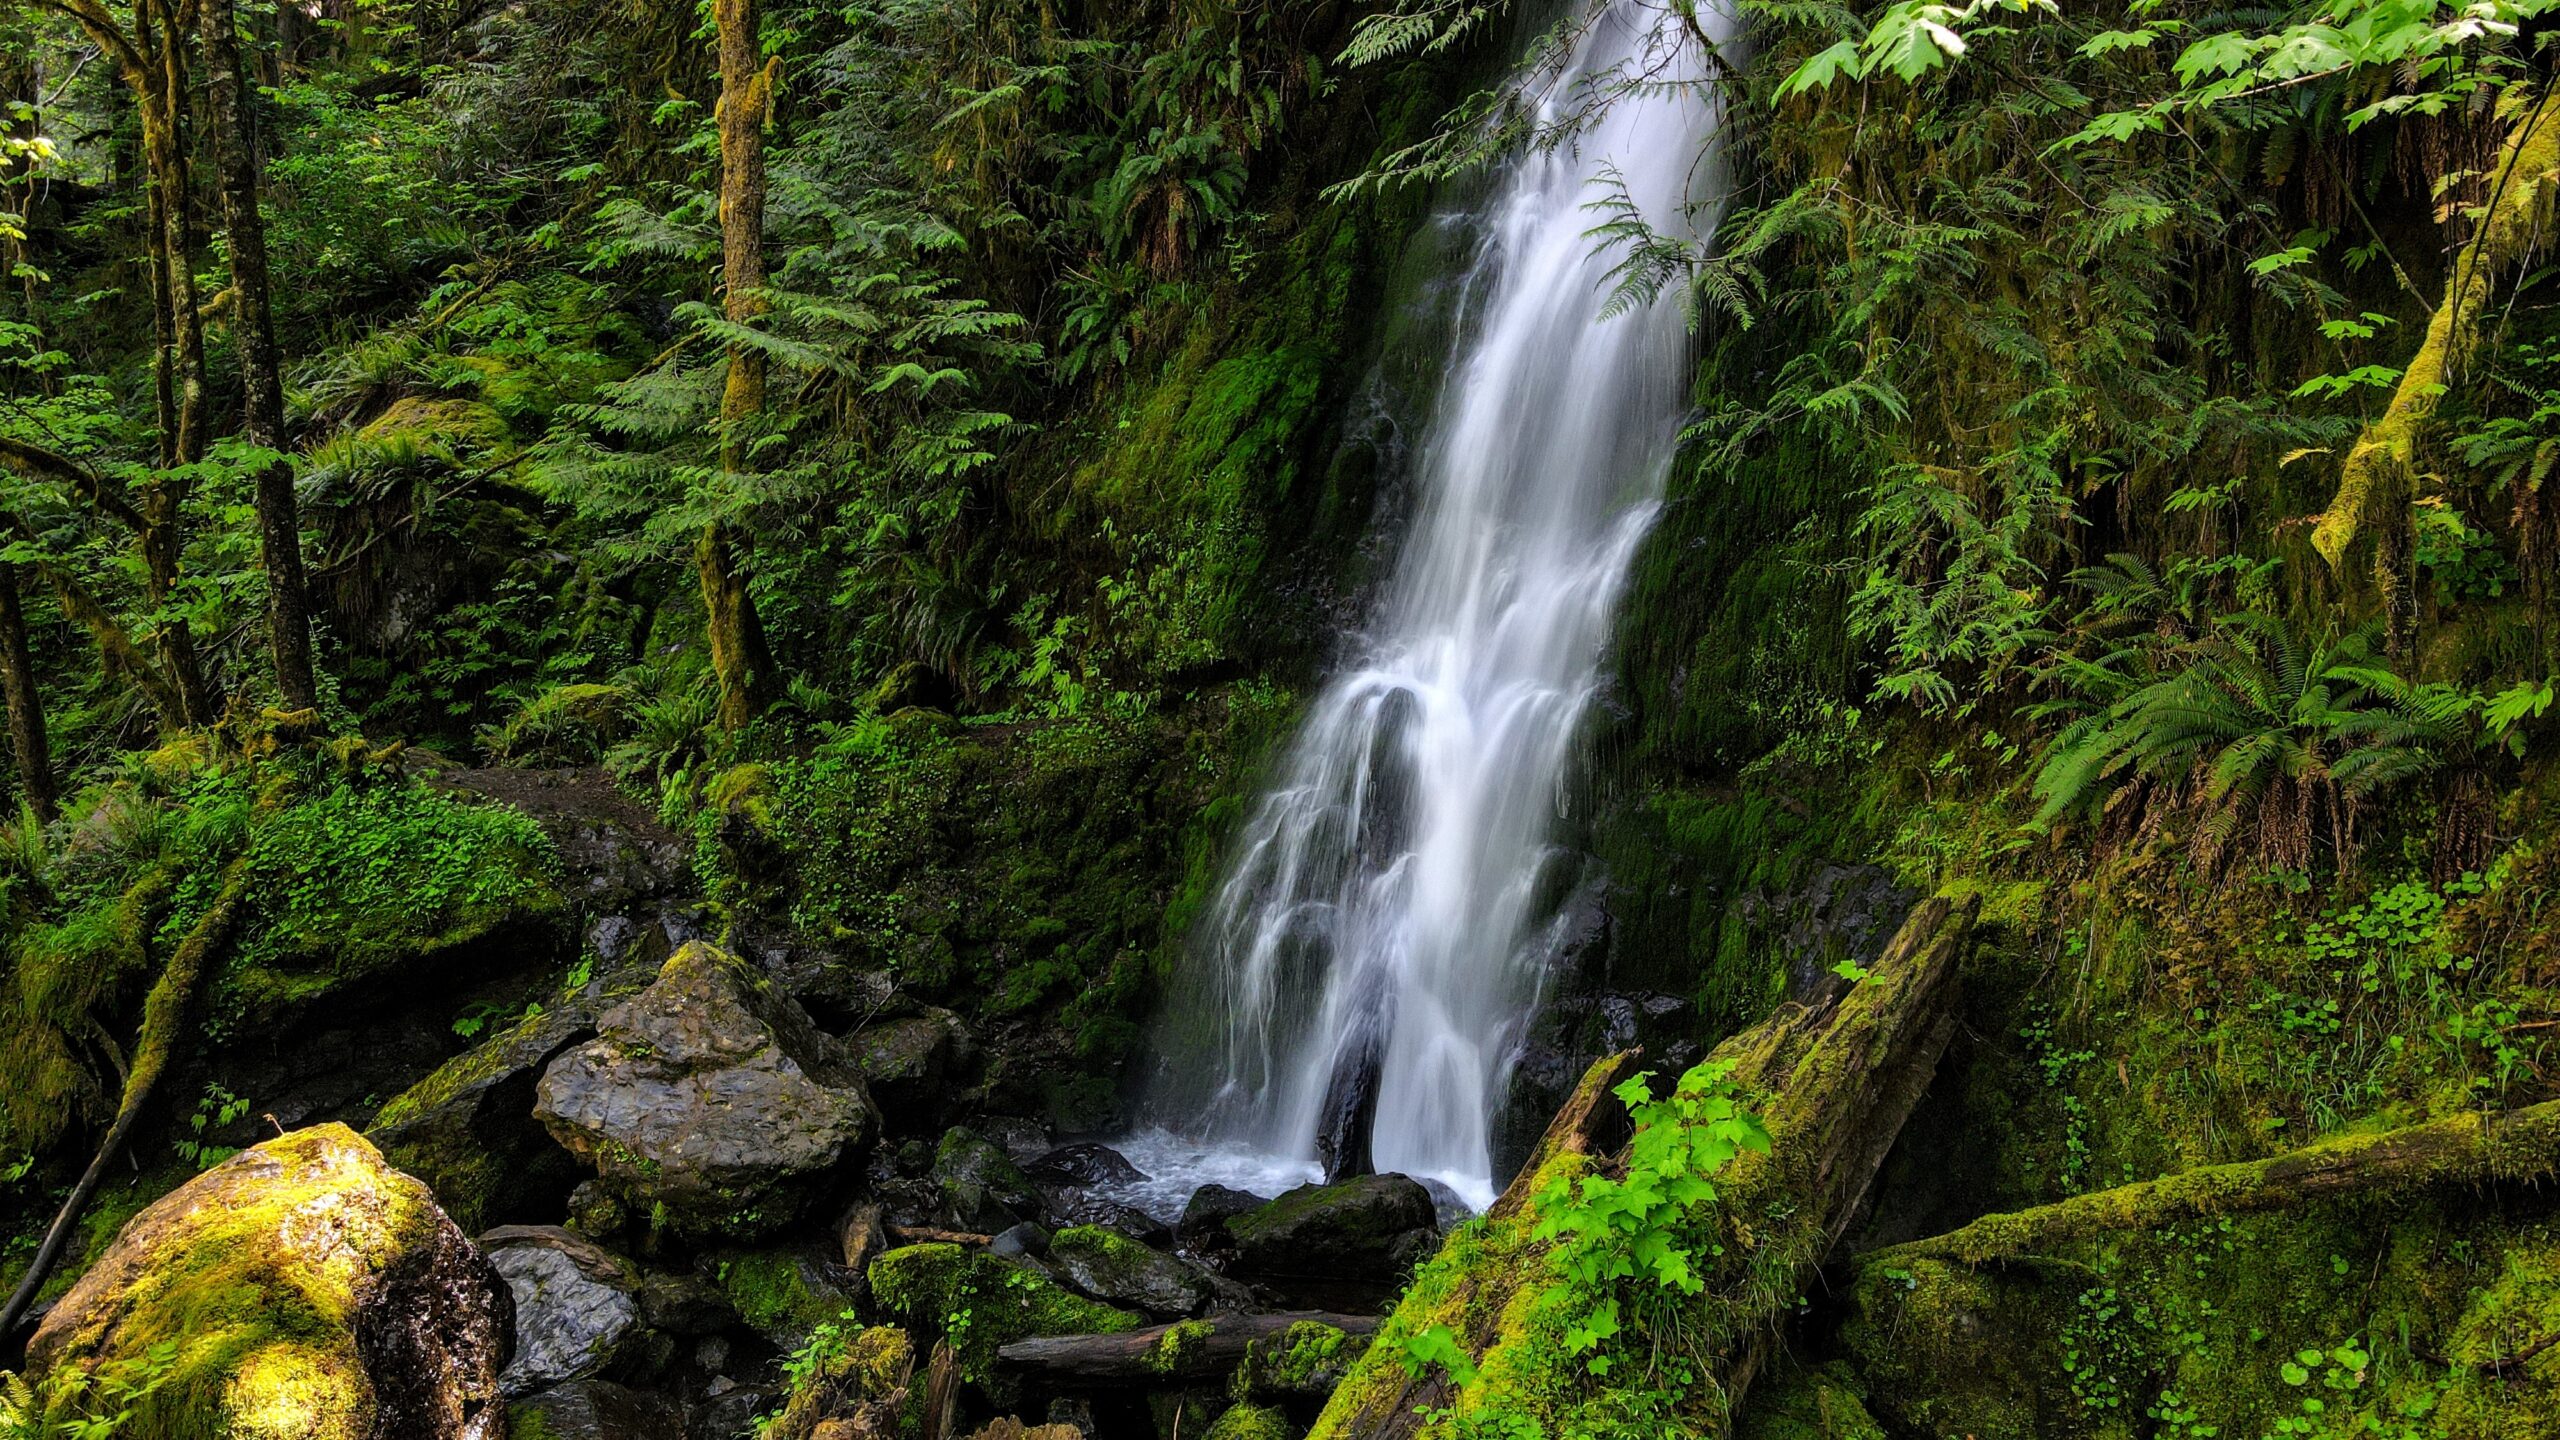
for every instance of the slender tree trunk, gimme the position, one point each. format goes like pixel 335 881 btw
pixel 254 336
pixel 738 653
pixel 26 705
pixel 159 83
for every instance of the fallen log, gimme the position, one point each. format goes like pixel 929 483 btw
pixel 1832 1081
pixel 1189 1350
pixel 2472 1148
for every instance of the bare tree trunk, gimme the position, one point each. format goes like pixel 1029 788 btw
pixel 738 653
pixel 26 705
pixel 254 336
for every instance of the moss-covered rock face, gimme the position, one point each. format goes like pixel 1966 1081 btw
pixel 468 1129
pixel 1366 1228
pixel 1110 1266
pixel 301 1290
pixel 708 1099
pixel 2409 1313
pixel 981 1303
pixel 982 1188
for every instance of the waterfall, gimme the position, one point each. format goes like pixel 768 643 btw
pixel 1381 938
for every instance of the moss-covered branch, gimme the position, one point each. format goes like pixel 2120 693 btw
pixel 2467 1149
pixel 2381 467
pixel 164 1020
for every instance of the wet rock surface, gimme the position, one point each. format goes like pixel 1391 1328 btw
pixel 1113 1268
pixel 599 1410
pixel 709 1098
pixel 1367 1229
pixel 577 1306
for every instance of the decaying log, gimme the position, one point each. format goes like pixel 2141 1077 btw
pixel 1832 1081
pixel 2466 1149
pixel 1192 1350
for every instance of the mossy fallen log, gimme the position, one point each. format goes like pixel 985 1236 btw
pixel 1832 1081
pixel 1190 1350
pixel 2467 1149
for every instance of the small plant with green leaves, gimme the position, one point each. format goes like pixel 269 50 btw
pixel 1625 1239
pixel 216 1110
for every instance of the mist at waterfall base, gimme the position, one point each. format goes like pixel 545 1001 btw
pixel 1388 909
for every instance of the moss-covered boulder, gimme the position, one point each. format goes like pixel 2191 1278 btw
pixel 982 1303
pixel 1364 1229
pixel 785 1294
pixel 1111 1267
pixel 982 1188
pixel 301 1290
pixel 709 1100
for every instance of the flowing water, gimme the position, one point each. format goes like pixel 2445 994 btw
pixel 1386 921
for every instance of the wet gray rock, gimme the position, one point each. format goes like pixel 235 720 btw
pixel 709 1094
pixel 1023 1138
pixel 1204 1217
pixel 598 1410
pixel 578 1311
pixel 907 1063
pixel 1025 1239
pixel 1085 1164
pixel 981 1187
pixel 1070 1206
pixel 1117 1270
pixel 1364 1229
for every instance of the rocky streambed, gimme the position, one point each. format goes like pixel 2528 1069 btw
pixel 675 1205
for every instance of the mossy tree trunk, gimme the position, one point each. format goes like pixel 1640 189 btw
pixel 739 657
pixel 26 705
pixel 253 335
pixel 1833 1081
pixel 2380 476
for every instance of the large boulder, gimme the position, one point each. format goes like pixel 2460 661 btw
pixel 1111 1267
pixel 306 1291
pixel 578 1311
pixel 709 1099
pixel 468 1129
pixel 1365 1229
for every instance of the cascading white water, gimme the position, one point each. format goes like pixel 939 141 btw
pixel 1384 913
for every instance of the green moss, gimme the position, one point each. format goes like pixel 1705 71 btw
pixel 1178 1346
pixel 774 1297
pixel 1305 1361
pixel 1809 1403
pixel 982 1304
pixel 1251 1422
